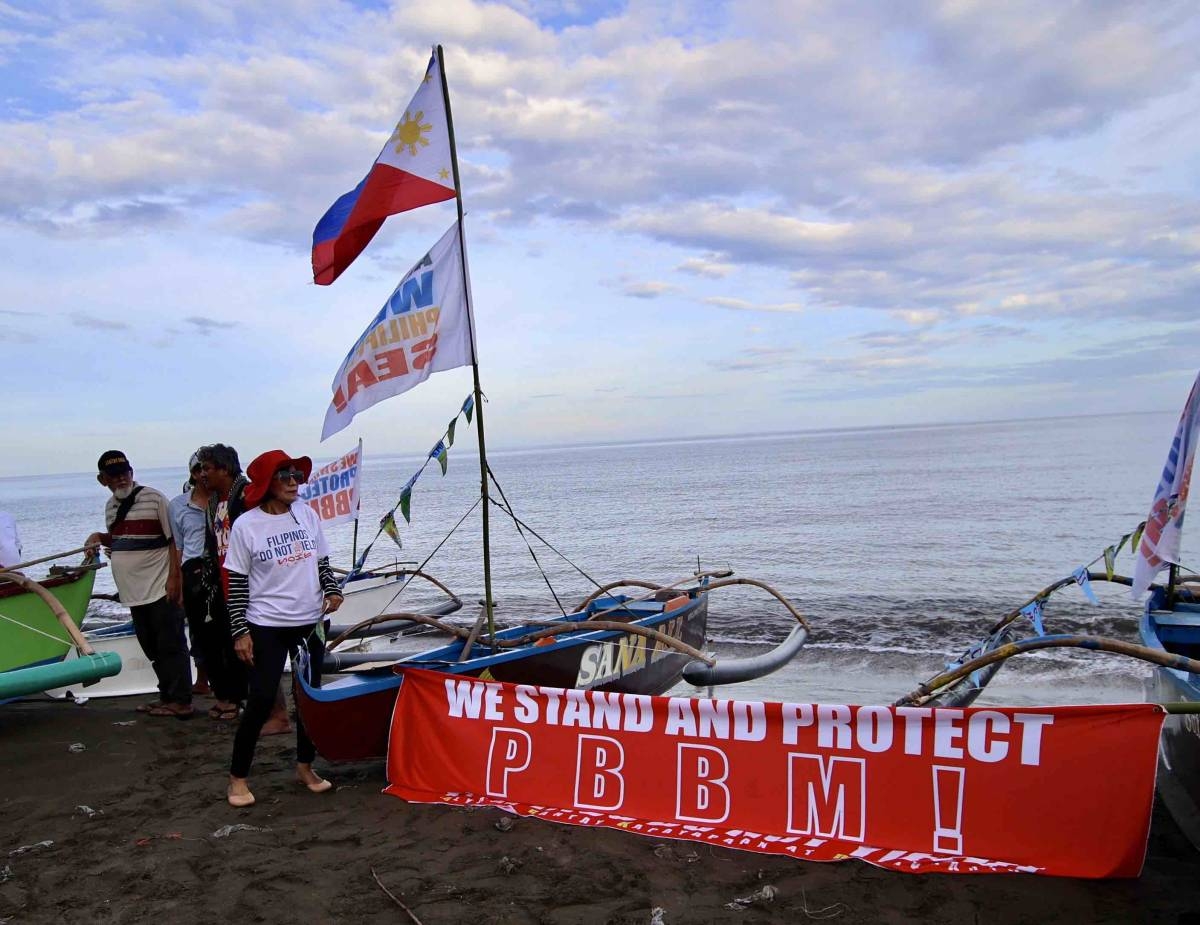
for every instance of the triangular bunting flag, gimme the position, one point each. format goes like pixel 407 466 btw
pixel 450 433
pixel 468 407
pixel 1081 578
pixel 406 503
pixel 1136 537
pixel 439 453
pixel 1110 564
pixel 1033 611
pixel 388 524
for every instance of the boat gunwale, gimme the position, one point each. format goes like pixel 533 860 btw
pixel 364 682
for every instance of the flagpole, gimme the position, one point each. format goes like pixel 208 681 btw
pixel 462 244
pixel 357 508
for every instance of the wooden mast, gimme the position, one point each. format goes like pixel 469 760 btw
pixel 483 470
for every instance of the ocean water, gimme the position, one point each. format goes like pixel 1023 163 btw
pixel 901 545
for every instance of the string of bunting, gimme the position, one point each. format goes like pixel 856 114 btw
pixel 387 523
pixel 1034 609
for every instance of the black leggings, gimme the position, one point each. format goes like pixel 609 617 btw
pixel 271 647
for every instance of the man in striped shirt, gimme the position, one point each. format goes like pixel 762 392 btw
pixel 146 570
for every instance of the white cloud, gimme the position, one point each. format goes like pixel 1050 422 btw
pixel 973 175
pixel 648 290
pixel 711 267
pixel 743 305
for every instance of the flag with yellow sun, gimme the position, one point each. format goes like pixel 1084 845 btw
pixel 414 169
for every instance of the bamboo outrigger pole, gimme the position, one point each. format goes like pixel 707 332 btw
pixel 483 468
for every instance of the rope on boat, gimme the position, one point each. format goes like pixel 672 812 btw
pixel 541 539
pixel 507 508
pixel 429 557
pixel 1092 643
pixel 75 637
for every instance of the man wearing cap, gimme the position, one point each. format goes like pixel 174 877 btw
pixel 146 570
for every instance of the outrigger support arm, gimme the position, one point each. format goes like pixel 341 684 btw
pixel 549 628
pixel 1094 643
pixel 386 617
pixel 57 555
pixel 706 672
pixel 652 585
pixel 723 581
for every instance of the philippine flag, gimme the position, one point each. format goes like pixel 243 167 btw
pixel 412 170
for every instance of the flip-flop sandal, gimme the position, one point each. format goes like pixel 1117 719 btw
pixel 149 707
pixel 224 715
pixel 179 711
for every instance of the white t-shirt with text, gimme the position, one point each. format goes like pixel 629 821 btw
pixel 278 553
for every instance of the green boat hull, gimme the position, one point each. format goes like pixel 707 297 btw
pixel 30 634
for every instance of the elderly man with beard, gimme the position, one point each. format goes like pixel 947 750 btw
pixel 146 570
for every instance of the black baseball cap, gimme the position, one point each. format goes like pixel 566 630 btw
pixel 113 462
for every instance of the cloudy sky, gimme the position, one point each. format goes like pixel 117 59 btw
pixel 683 217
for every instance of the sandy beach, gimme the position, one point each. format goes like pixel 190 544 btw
pixel 133 828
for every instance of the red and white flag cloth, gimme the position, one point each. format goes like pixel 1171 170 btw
pixel 1160 541
pixel 423 328
pixel 414 169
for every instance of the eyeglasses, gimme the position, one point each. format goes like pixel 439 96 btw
pixel 292 475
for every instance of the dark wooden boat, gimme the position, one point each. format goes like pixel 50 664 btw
pixel 349 716
pixel 1174 627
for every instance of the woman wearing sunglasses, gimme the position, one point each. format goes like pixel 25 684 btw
pixel 280 589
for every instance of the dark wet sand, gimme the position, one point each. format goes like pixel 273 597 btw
pixel 150 853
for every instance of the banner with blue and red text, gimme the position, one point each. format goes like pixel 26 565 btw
pixel 423 328
pixel 1052 790
pixel 333 490
pixel 1161 538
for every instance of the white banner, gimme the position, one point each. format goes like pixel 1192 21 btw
pixel 332 490
pixel 423 328
pixel 1164 523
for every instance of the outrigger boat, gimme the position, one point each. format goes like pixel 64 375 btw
pixel 39 626
pixel 1171 623
pixel 623 643
pixel 640 643
pixel 1169 631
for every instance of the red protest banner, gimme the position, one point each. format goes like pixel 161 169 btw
pixel 1052 790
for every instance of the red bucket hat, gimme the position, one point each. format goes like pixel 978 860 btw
pixel 263 469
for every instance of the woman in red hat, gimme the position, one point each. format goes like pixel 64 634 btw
pixel 280 589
